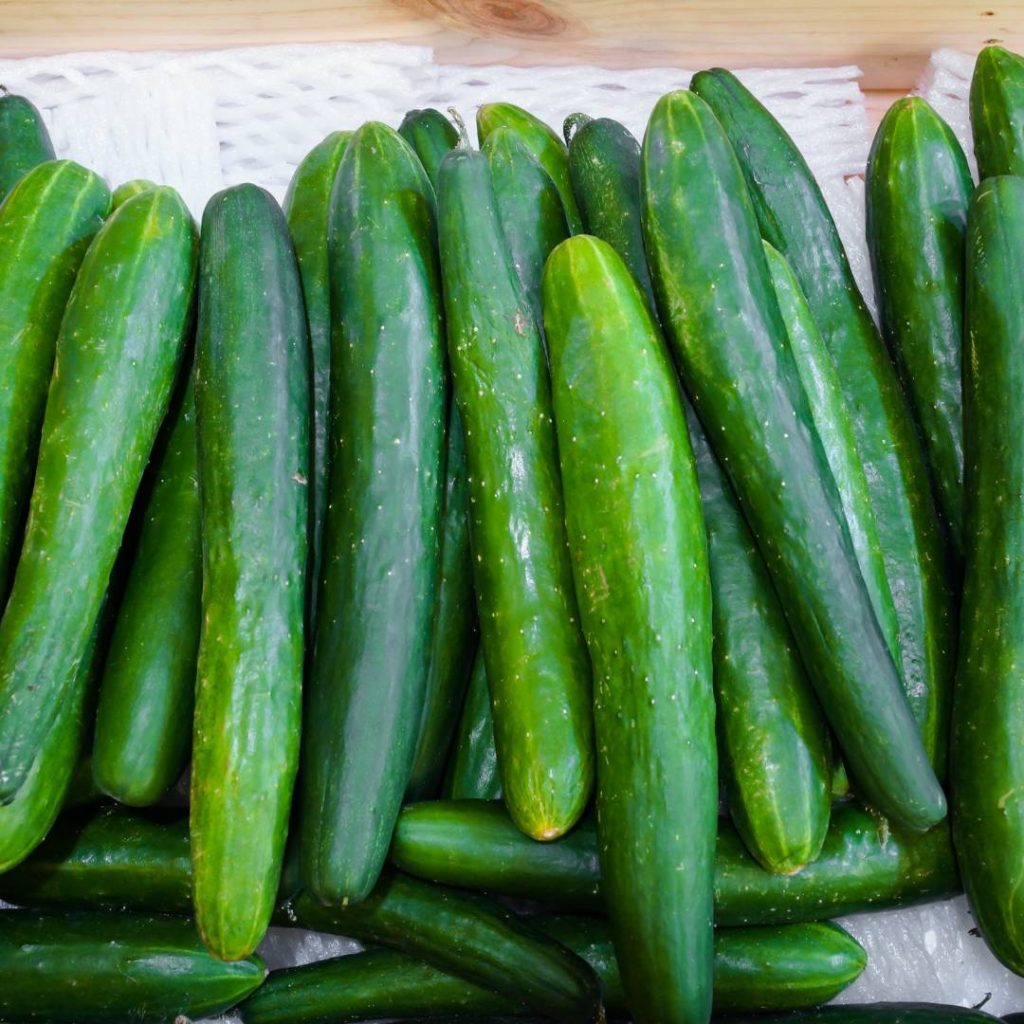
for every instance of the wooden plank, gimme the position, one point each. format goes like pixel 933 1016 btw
pixel 890 41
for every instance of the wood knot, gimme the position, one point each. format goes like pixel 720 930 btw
pixel 526 18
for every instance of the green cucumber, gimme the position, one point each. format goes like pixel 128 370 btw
pixel 431 135
pixel 987 769
pixel 473 771
pixel 45 227
pixel 874 1013
pixel 24 141
pixel 307 208
pixel 128 190
pixel 120 344
pixel 537 666
pixel 111 967
pixel 640 563
pixel 997 112
pixel 794 218
pixel 862 864
pixel 542 142
pixel 918 186
pixel 729 338
pixel 252 397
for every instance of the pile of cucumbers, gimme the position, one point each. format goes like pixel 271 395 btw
pixel 537 560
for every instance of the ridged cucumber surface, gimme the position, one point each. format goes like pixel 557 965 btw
pixel 128 190
pixel 24 141
pixel 431 135
pixel 997 112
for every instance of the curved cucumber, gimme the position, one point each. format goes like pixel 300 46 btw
pixel 45 227
pixel 128 190
pixel 794 218
pixel 138 968
pixel 473 771
pixel 24 141
pixel 639 556
pixel 918 185
pixel 875 1013
pixel 997 112
pixel 252 418
pixel 120 344
pixel 987 764
pixel 431 135
pixel 536 659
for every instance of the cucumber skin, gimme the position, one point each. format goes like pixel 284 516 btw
pixel 918 186
pixel 473 771
pixel 252 416
pixel 640 564
pixel 875 1013
pixel 997 112
pixel 120 344
pixel 987 767
pixel 128 190
pixel 794 219
pixel 386 491
pixel 46 225
pixel 527 607
pixel 475 844
pixel 766 442
pixel 307 208
pixel 142 968
pixel 24 141
pixel 431 135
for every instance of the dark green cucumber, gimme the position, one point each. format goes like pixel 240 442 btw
pixel 473 771
pixel 252 423
pixel 723 320
pixel 640 563
pixel 307 208
pixel 918 185
pixel 997 112
pixel 45 227
pixel 431 135
pixel 120 344
pixel 987 763
pixel 542 142
pixel 129 189
pixel 107 967
pixel 537 666
pixel 794 218
pixel 874 1013
pixel 24 141
pixel 862 864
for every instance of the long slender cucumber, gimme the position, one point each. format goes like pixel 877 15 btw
pixel 431 135
pixel 473 771
pixel 997 112
pixel 24 141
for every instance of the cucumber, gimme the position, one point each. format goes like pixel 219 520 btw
pixel 24 141
pixel 730 343
pixel 640 563
pixel 794 218
pixel 386 494
pixel 987 771
pixel 473 771
pixel 431 135
pixel 875 1013
pixel 144 718
pixel 542 142
pixel 252 425
pixel 307 207
pixel 45 227
pixel 997 112
pixel 862 864
pixel 523 579
pixel 109 967
pixel 128 190
pixel 120 343
pixel 918 186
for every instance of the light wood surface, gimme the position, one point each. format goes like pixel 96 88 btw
pixel 889 40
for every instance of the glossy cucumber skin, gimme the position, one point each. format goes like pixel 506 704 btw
pixel 138 968
pixel 128 190
pixel 875 1013
pixel 24 141
pixel 252 426
pixel 997 112
pixel 862 864
pixel 918 186
pixel 731 346
pixel 431 135
pixel 45 227
pixel 118 352
pixel 640 563
pixel 537 667
pixel 386 495
pixel 307 208
pixel 473 770
pixel 987 765
pixel 794 219
pixel 542 142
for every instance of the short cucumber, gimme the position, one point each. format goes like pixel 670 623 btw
pixel 252 423
pixel 431 135
pixel 128 189
pixel 473 770
pixel 24 141
pixel 874 1013
pixel 523 579
pixel 918 185
pixel 118 352
pixel 997 112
